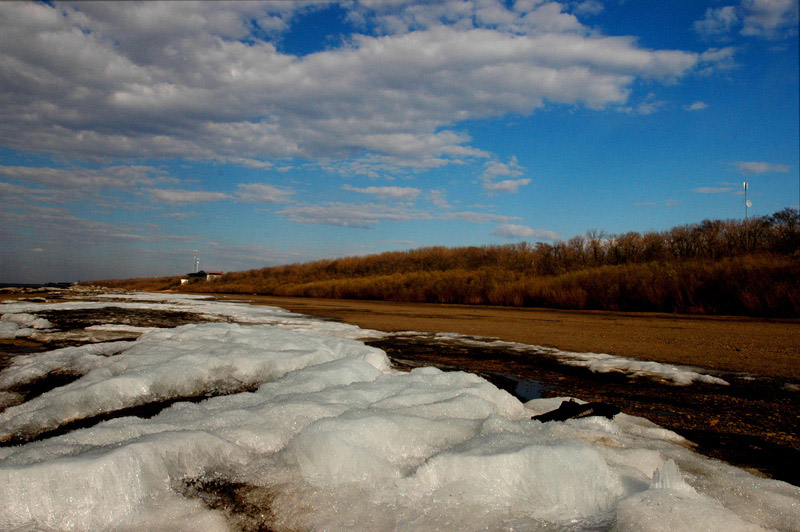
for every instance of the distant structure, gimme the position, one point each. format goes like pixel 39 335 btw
pixel 198 274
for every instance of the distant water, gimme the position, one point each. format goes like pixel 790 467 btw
pixel 36 285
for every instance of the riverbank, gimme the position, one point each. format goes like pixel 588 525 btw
pixel 767 347
pixel 751 423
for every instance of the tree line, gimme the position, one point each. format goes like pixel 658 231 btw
pixel 715 267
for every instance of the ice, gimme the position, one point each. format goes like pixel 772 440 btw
pixel 25 369
pixel 183 362
pixel 678 375
pixel 209 309
pixel 329 437
pixel 22 324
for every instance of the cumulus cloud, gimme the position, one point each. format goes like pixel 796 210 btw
pixel 768 19
pixel 174 79
pixel 494 169
pixel 758 167
pixel 397 193
pixel 512 232
pixel 717 21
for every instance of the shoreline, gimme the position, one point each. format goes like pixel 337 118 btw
pixel 758 346
pixel 751 423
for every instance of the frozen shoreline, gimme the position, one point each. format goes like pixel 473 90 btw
pixel 333 427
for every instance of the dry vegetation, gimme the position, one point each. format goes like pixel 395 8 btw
pixel 714 267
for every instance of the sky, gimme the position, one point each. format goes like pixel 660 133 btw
pixel 259 134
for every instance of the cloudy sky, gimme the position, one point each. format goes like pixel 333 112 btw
pixel 279 132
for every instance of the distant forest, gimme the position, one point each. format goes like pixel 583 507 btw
pixel 713 267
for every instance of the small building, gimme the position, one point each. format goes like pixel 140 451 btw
pixel 202 275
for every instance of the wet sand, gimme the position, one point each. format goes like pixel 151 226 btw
pixel 734 344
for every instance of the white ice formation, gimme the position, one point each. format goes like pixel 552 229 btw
pixel 334 439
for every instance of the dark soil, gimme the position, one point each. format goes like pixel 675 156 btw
pixel 73 320
pixel 67 320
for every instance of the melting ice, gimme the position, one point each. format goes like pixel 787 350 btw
pixel 330 437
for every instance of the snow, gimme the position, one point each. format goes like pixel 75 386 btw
pixel 22 324
pixel 330 437
pixel 675 374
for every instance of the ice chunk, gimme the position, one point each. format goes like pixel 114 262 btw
pixel 184 362
pixel 670 504
pixel 19 325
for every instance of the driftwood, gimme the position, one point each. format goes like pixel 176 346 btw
pixel 573 410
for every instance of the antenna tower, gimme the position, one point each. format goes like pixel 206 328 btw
pixel 196 261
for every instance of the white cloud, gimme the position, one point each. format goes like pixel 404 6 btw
pixel 758 167
pixel 250 163
pixel 494 169
pixel 511 232
pixel 768 19
pixel 108 81
pixel 178 196
pixel 368 215
pixel 714 190
pixel 179 215
pixel 510 186
pixel 85 179
pixel 398 193
pixel 361 216
pixel 717 21
pixel 696 106
pixel 588 7
pixel 439 198
pixel 477 217
pixel 261 193
pixel 717 59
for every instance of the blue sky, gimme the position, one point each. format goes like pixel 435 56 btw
pixel 270 133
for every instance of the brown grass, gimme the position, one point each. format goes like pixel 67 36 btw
pixel 715 267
